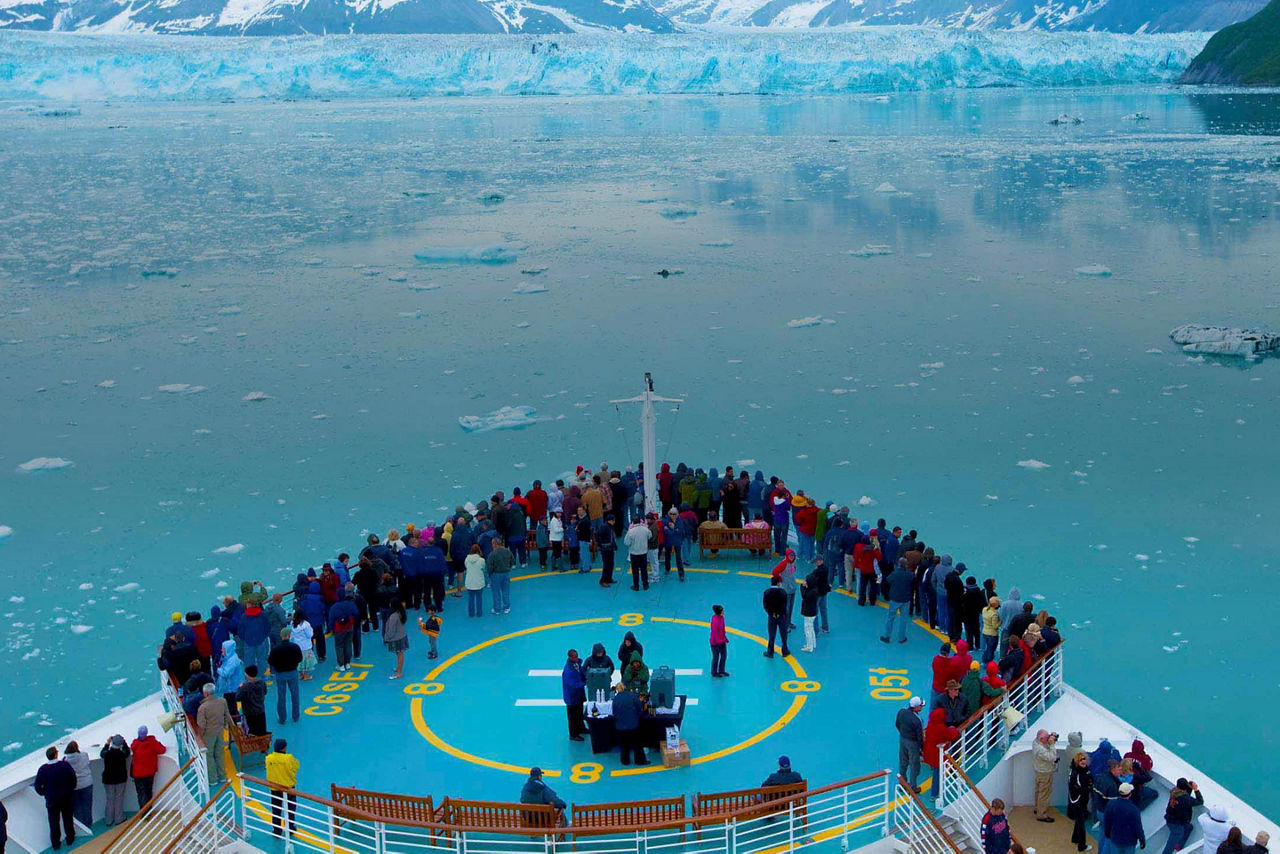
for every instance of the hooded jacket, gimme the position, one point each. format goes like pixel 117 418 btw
pixel 636 675
pixel 219 633
pixel 1010 607
pixel 1122 824
pixel 1181 805
pixel 936 734
pixel 146 756
pixel 625 651
pixel 313 606
pixel 1215 825
pixel 231 670
pixel 755 492
pixel 115 761
pixel 251 626
pixel 940 577
pixel 599 660
pixel 1079 788
pixel 343 609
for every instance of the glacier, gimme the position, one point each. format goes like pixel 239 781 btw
pixel 77 67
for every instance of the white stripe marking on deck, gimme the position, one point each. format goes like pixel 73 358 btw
pixel 691 671
pixel 693 701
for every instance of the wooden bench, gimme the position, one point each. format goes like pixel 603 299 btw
pixel 715 807
pixel 249 744
pixel 719 539
pixel 626 814
pixel 385 805
pixel 489 814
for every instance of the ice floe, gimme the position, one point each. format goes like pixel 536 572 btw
pixel 107 384
pixel 1066 119
pixel 45 464
pixel 79 630
pixel 128 587
pixel 254 396
pixel 180 388
pixel 871 250
pixel 1034 465
pixel 503 418
pixel 886 187
pixel 525 290
pixel 678 213
pixel 1224 340
pixel 805 322
pixel 1095 270
pixel 491 255
pixel 233 549
pixel 5 532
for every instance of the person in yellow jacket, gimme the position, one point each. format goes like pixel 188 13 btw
pixel 990 629
pixel 282 774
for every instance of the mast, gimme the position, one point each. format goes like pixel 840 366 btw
pixel 649 430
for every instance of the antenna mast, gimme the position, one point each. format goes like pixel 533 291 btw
pixel 649 429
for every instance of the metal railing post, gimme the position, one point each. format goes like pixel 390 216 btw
pixel 330 826
pixel 844 819
pixel 731 836
pixel 244 798
pixel 889 784
pixel 791 825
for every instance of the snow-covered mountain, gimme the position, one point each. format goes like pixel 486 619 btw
pixel 289 17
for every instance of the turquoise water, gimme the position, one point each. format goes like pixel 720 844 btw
pixel 269 247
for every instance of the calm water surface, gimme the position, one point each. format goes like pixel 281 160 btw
pixel 160 263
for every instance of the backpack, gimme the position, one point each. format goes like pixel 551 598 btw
pixel 344 624
pixel 431 624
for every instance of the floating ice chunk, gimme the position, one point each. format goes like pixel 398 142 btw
pixel 504 418
pixel 531 289
pixel 1142 557
pixel 180 388
pixel 524 324
pixel 233 549
pixel 805 322
pixel 17 600
pixel 992 497
pixel 1076 380
pixel 1097 270
pixel 107 384
pixel 886 187
pixel 933 366
pixel 86 586
pixel 210 573
pixel 678 213
pixel 12 747
pixel 45 464
pixel 255 396
pixel 411 315
pixel 1191 539
pixel 120 681
pixel 1224 340
pixel 1034 465
pixel 492 198
pixel 491 255
pixel 1066 119
pixel 866 501
pixel 717 244
pixel 745 463
pixel 428 286
pixel 1136 117
pixel 128 587
pixel 230 309
pixel 1171 648
pixel 5 532
pixel 79 630
pixel 871 250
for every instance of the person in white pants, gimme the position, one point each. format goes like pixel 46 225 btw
pixel 809 596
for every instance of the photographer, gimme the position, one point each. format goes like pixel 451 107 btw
pixel 1044 761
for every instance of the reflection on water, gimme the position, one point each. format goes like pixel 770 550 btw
pixel 949 237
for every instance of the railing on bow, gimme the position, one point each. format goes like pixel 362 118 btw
pixel 986 730
pixel 161 818
pixel 211 829
pixel 915 825
pixel 190 745
pixel 859 809
pixel 963 801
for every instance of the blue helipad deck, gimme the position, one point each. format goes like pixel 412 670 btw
pixel 471 723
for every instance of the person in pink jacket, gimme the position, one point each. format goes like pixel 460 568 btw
pixel 719 642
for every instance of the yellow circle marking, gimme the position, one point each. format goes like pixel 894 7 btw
pixel 881 604
pixel 420 724
pixel 449 662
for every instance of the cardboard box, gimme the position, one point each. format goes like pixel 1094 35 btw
pixel 677 758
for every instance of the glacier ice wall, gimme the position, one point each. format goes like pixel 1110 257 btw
pixel 66 66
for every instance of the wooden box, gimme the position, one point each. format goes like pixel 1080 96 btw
pixel 677 758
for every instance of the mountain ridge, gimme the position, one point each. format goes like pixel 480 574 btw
pixel 1243 54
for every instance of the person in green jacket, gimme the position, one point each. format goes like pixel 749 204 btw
pixel 688 489
pixel 636 675
pixel 977 690
pixel 702 496
pixel 824 519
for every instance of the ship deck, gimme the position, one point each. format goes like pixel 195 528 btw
pixel 471 723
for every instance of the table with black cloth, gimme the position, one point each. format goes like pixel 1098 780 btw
pixel 604 734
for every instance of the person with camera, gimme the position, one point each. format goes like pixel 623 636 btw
pixel 1044 762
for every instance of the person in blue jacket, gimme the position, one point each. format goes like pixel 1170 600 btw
pixel 219 633
pixel 1122 823
pixel 434 567
pixel 414 573
pixel 56 783
pixel 627 712
pixel 316 613
pixel 251 629
pixel 459 547
pixel 672 539
pixel 573 685
pixel 230 675
pixel 996 837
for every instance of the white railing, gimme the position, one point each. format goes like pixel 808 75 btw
pixel 190 745
pixel 859 810
pixel 212 829
pixel 916 826
pixel 986 732
pixel 964 802
pixel 163 817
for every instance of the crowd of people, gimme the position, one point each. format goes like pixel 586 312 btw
pixel 220 663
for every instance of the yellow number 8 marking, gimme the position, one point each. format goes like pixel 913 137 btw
pixel 630 620
pixel 586 772
pixel 423 688
pixel 796 686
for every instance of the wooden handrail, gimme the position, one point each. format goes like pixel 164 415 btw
pixel 751 811
pixel 955 766
pixel 142 810
pixel 928 813
pixel 1013 683
pixel 168 849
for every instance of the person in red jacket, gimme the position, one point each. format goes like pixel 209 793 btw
pixel 329 583
pixel 537 501
pixel 665 493
pixel 146 752
pixel 942 672
pixel 961 661
pixel 936 735
pixel 866 556
pixel 806 527
pixel 201 631
pixel 993 676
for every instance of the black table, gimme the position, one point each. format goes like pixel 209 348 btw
pixel 604 735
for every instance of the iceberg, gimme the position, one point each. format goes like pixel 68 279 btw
pixel 491 255
pixel 1034 465
pixel 233 549
pixel 68 67
pixel 806 322
pixel 5 532
pixel 504 418
pixel 1225 340
pixel 45 464
pixel 871 250
pixel 1096 270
